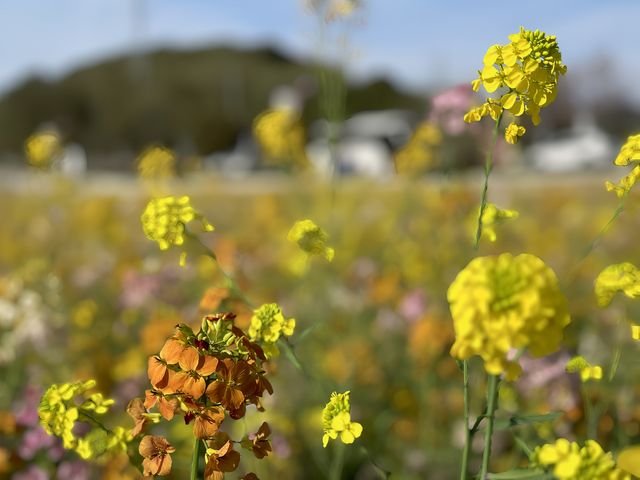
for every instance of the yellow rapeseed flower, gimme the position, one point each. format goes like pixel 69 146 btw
pixel 62 405
pixel 621 277
pixel 267 325
pixel 525 74
pixel 42 149
pixel 336 420
pixel 164 221
pixel 311 239
pixel 491 217
pixel 281 136
pixel 587 371
pixel 418 154
pixel 635 332
pixel 570 462
pixel 513 133
pixel 156 162
pixel 501 303
pixel 630 152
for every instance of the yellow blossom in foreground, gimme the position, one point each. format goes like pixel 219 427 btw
pixel 501 303
pixel 156 162
pixel 493 216
pixel 587 371
pixel 630 151
pixel 570 462
pixel 311 239
pixel 336 420
pixel 42 149
pixel 525 74
pixel 164 221
pixel 621 277
pixel 267 325
pixel 513 133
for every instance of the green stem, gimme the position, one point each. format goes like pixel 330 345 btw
pixel 488 166
pixel 467 432
pixel 195 459
pixel 85 416
pixel 492 394
pixel 335 473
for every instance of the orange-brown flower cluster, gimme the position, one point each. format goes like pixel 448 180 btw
pixel 204 376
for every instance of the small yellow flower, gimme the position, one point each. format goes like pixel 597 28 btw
pixel 635 332
pixel 336 420
pixel 493 216
pixel 42 149
pixel 621 277
pixel 267 325
pixel 625 184
pixel 513 133
pixel 156 162
pixel 630 151
pixel 418 154
pixel 311 239
pixel 587 371
pixel 165 219
pixel 570 462
pixel 504 303
pixel 281 136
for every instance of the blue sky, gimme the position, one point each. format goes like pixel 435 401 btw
pixel 421 43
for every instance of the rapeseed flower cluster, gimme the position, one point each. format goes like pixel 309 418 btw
pixel 156 162
pixel 42 149
pixel 513 132
pixel 501 303
pixel 267 325
pixel 165 220
pixel 526 70
pixel 281 136
pixel 621 277
pixel 630 152
pixel 570 462
pixel 311 239
pixel 418 154
pixel 336 420
pixel 587 371
pixel 59 411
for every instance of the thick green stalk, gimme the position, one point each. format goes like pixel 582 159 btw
pixel 488 166
pixel 195 459
pixel 337 463
pixel 492 396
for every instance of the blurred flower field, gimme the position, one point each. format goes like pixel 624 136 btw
pixel 85 295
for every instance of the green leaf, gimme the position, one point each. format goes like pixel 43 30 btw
pixel 521 474
pixel 516 420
